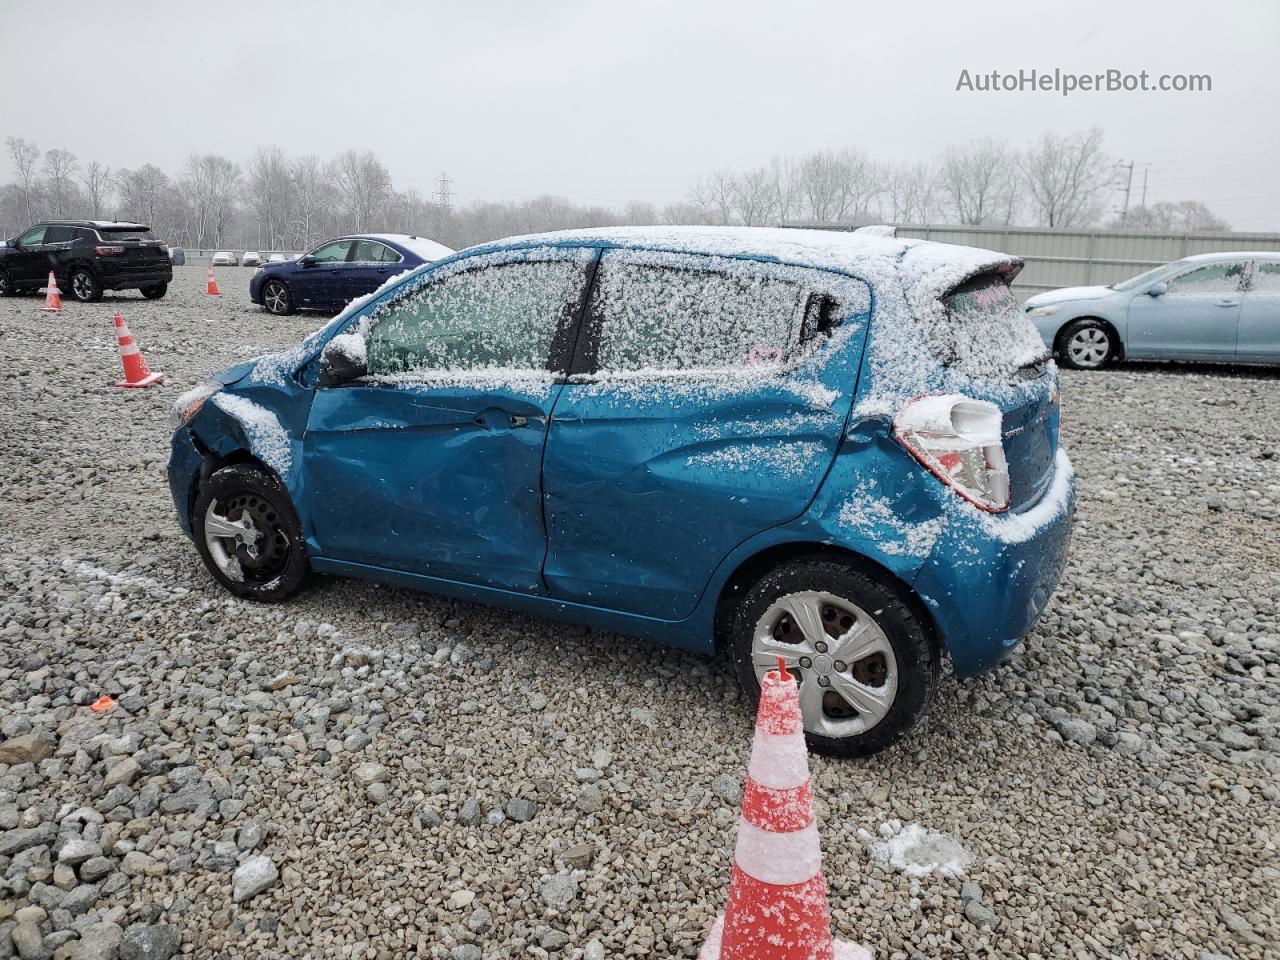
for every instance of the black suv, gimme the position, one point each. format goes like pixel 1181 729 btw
pixel 86 257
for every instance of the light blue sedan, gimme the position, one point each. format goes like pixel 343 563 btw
pixel 1222 307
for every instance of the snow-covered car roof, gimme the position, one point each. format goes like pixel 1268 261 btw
pixel 925 267
pixel 1230 255
pixel 427 249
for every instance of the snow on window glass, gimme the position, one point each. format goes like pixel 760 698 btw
pixel 502 317
pixel 983 331
pixel 664 317
pixel 1266 278
pixel 1211 278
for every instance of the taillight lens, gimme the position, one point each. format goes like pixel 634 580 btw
pixel 959 440
pixel 108 251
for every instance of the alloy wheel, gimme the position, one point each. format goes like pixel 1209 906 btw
pixel 846 666
pixel 276 298
pixel 82 285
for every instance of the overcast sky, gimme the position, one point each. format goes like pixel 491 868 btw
pixel 604 102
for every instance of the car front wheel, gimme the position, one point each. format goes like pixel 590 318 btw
pixel 155 291
pixel 276 298
pixel 85 287
pixel 866 666
pixel 1087 345
pixel 248 534
pixel 7 289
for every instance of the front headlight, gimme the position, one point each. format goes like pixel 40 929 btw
pixel 189 404
pixel 1042 312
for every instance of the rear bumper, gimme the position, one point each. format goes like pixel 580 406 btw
pixel 129 279
pixel 990 577
pixel 184 469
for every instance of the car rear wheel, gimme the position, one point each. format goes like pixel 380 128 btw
pixel 155 291
pixel 276 298
pixel 1087 345
pixel 84 286
pixel 248 534
pixel 866 665
pixel 7 289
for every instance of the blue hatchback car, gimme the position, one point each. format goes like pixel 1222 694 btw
pixel 338 271
pixel 836 449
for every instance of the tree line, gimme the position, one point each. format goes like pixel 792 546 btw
pixel 275 201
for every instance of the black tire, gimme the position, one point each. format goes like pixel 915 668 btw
pixel 915 657
pixel 84 286
pixel 280 570
pixel 277 299
pixel 1087 345
pixel 7 289
pixel 155 291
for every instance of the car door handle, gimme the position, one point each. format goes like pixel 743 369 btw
pixel 1228 303
pixel 491 419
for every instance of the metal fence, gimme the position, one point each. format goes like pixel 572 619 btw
pixel 1072 258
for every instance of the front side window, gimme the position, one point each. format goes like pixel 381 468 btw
pixel 1216 278
pixel 33 237
pixel 370 251
pixel 499 317
pixel 657 317
pixel 335 252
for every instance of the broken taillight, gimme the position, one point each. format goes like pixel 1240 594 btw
pixel 959 440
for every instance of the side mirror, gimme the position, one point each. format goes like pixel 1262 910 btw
pixel 342 360
pixel 1158 289
pixel 307 261
pixel 11 243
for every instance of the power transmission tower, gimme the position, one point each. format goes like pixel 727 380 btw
pixel 1128 187
pixel 1146 169
pixel 444 195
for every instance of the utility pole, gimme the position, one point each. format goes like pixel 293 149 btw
pixel 443 195
pixel 1128 187
pixel 1146 169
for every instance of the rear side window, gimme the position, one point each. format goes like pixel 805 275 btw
pixel 983 332
pixel 1266 277
pixel 674 318
pixel 57 234
pixel 500 317
pixel 370 251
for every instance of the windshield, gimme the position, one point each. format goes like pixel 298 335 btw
pixel 108 233
pixel 1140 279
pixel 985 332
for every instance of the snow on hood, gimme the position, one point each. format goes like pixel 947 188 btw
pixel 1068 293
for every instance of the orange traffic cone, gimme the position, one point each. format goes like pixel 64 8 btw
pixel 136 372
pixel 213 284
pixel 52 296
pixel 777 907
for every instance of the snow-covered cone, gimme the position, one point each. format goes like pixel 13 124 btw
pixel 777 907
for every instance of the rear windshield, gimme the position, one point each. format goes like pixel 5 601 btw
pixel 984 332
pixel 118 233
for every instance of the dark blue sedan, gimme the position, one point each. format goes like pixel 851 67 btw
pixel 338 271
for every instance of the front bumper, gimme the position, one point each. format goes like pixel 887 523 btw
pixel 990 577
pixel 184 470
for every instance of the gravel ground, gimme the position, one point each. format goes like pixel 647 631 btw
pixel 369 772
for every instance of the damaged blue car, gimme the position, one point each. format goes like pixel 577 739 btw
pixel 837 449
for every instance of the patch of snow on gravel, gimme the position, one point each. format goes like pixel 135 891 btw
pixel 917 851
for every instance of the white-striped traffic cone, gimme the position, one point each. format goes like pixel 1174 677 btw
pixel 136 372
pixel 777 907
pixel 52 296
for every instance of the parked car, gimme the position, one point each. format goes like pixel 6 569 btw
pixel 86 257
pixel 251 258
pixel 1215 306
pixel 837 450
pixel 224 258
pixel 277 258
pixel 177 256
pixel 338 271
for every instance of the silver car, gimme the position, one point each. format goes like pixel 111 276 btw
pixel 1222 307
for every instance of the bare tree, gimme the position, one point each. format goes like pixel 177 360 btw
pixel 1068 178
pixel 978 182
pixel 211 183
pixel 714 196
pixel 1186 216
pixel 312 197
pixel 24 156
pixel 837 186
pixel 786 189
pixel 97 184
pixel 910 191
pixel 640 213
pixel 270 196
pixel 685 213
pixel 364 186
pixel 60 170
pixel 142 193
pixel 755 197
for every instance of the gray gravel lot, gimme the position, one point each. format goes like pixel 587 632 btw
pixel 369 772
